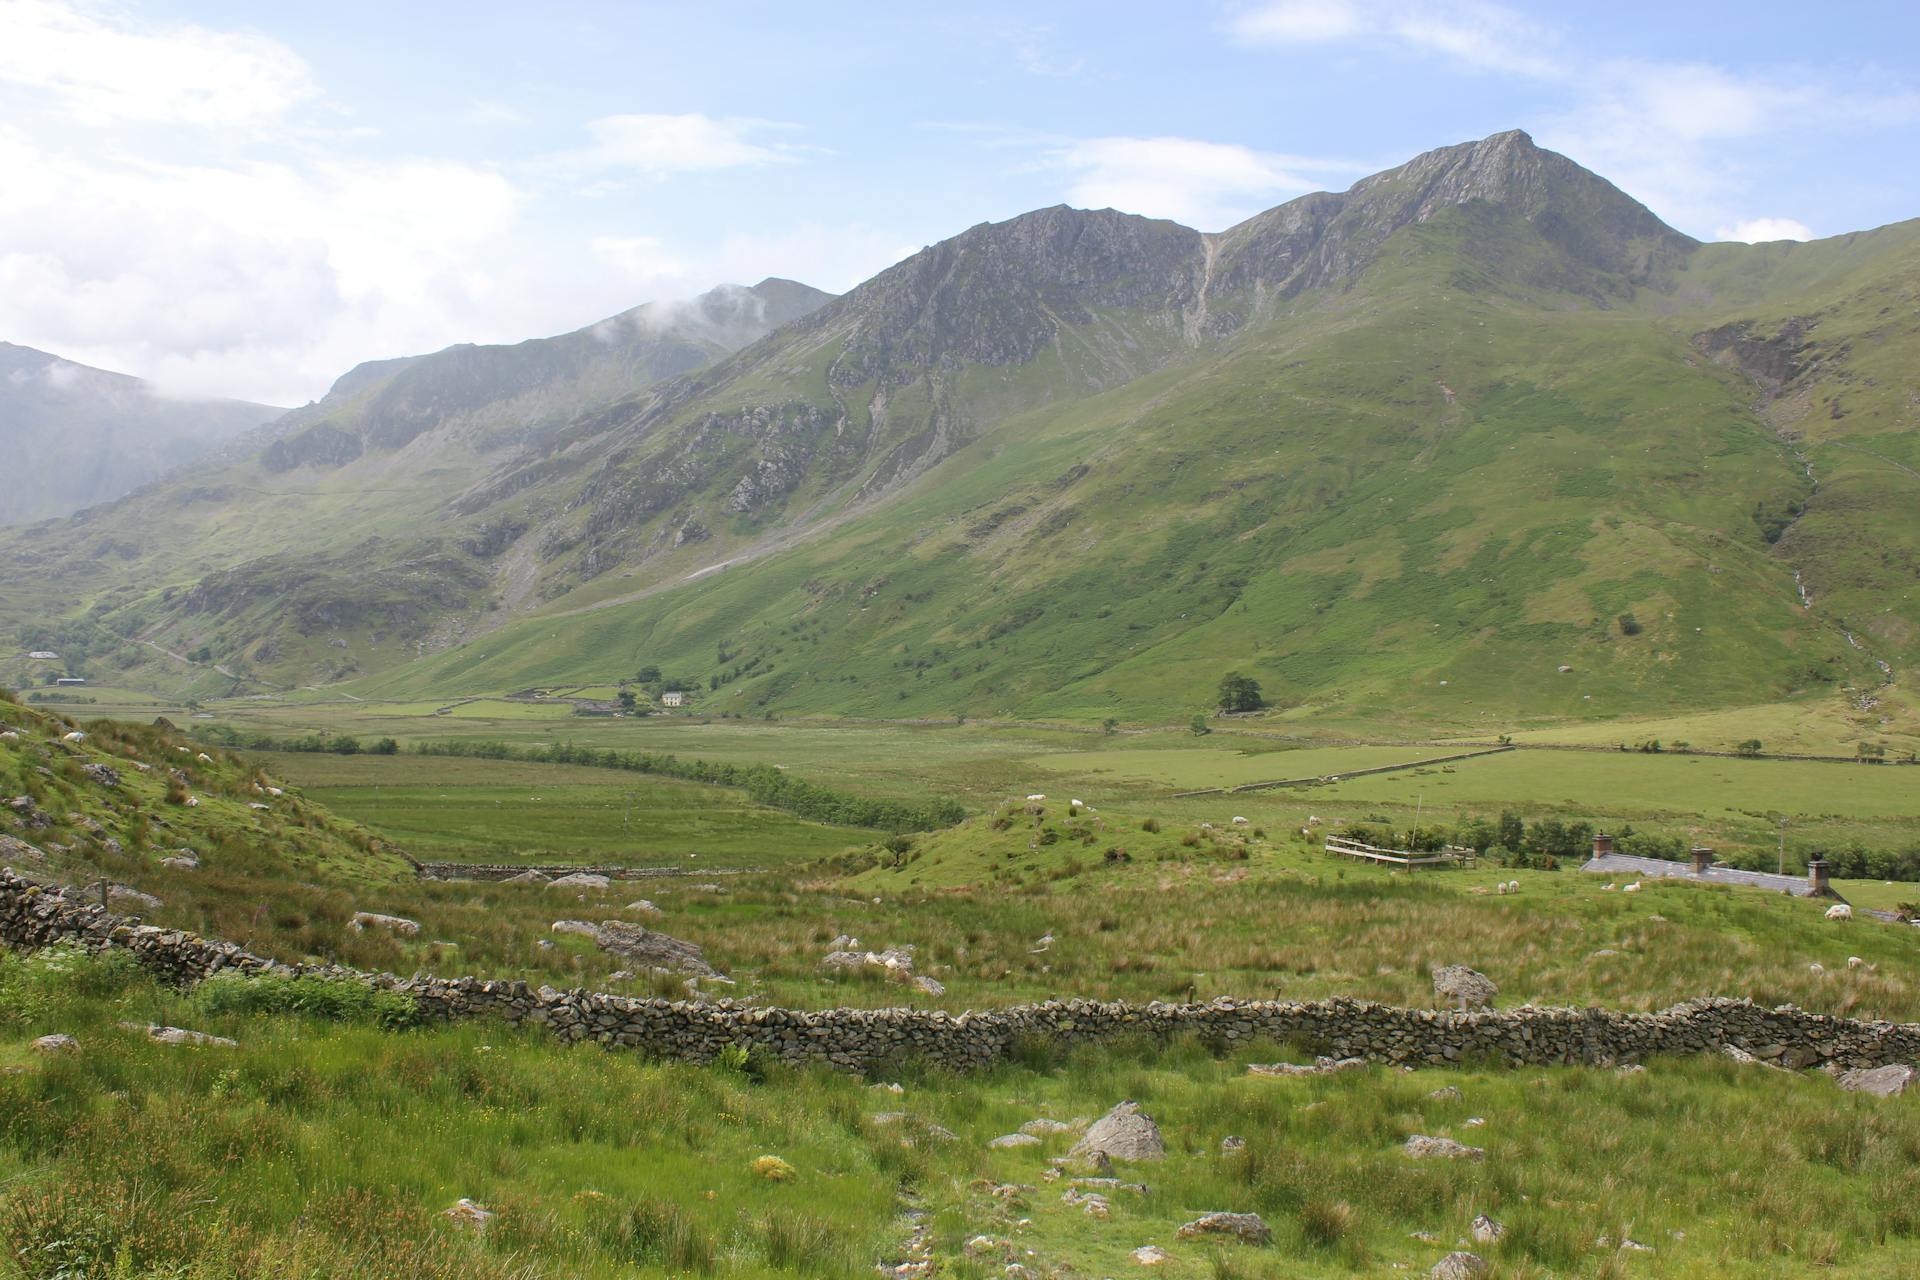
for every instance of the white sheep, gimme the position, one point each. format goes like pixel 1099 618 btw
pixel 1632 888
pixel 204 758
pixel 1513 886
pixel 1502 889
pixel 1077 804
pixel 1608 888
pixel 1854 962
pixel 1239 821
pixel 1036 798
pixel 1839 911
pixel 75 736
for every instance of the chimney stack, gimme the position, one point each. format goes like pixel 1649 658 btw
pixel 1602 844
pixel 1702 859
pixel 1817 878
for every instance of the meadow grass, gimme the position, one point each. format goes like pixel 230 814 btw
pixel 469 810
pixel 324 1146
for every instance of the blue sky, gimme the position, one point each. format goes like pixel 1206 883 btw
pixel 247 199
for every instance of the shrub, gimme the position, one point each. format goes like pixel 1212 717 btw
pixel 333 999
pixel 1150 825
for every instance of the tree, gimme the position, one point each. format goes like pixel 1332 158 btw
pixel 1751 747
pixel 1109 725
pixel 1240 693
pixel 1629 625
pixel 1512 832
pixel 627 700
pixel 647 675
pixel 1199 726
pixel 385 747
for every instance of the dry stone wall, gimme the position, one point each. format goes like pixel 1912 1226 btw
pixel 34 916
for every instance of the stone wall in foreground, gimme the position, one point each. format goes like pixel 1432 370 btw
pixel 858 1039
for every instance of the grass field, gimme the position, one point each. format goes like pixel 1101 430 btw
pixel 499 811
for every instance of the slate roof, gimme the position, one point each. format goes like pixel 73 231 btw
pixel 1626 864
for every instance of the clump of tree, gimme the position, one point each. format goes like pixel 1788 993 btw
pixel 1239 692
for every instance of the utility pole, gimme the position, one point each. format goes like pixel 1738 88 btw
pixel 1783 846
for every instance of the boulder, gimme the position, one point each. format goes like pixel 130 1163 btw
pixel 1248 1228
pixel 1470 987
pixel 1881 1082
pixel 1319 1067
pixel 655 950
pixel 399 925
pixel 929 986
pixel 1150 1255
pixel 468 1214
pixel 585 927
pixel 179 1035
pixel 529 877
pixel 1232 1145
pixel 1124 1133
pixel 580 880
pixel 1006 1140
pixel 1043 1128
pixel 1446 1093
pixel 1486 1231
pixel 644 907
pixel 56 1043
pixel 1459 1266
pixel 1420 1146
pixel 102 774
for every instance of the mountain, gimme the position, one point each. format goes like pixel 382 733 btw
pixel 74 436
pixel 328 523
pixel 1476 440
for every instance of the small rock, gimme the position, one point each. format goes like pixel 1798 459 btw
pixel 1150 1255
pixel 1231 1144
pixel 580 880
pixel 585 928
pixel 1006 1140
pixel 1249 1228
pixel 1447 1093
pixel 1459 1265
pixel 644 907
pixel 1486 1231
pixel 56 1043
pixel 468 1214
pixel 1420 1146
pixel 923 983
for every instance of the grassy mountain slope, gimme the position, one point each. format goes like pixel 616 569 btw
pixel 73 436
pixel 327 547
pixel 1427 492
pixel 1409 449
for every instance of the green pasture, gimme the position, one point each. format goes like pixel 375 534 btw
pixel 502 811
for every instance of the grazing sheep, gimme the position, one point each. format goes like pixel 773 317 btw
pixel 1035 799
pixel 1608 888
pixel 1632 888
pixel 1839 911
pixel 1513 886
pixel 1240 822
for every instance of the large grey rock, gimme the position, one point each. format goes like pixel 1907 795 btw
pixel 644 946
pixel 1881 1082
pixel 1007 1140
pixel 1124 1133
pixel 178 1035
pixel 1470 987
pixel 400 925
pixel 1459 1266
pixel 580 880
pixel 56 1043
pixel 585 927
pixel 1423 1147
pixel 1248 1228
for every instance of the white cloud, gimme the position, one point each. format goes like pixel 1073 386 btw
pixel 1479 35
pixel 655 145
pixel 834 258
pixel 641 256
pixel 103 68
pixel 260 280
pixel 1204 184
pixel 1763 230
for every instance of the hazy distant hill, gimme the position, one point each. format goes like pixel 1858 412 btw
pixel 1479 437
pixel 72 436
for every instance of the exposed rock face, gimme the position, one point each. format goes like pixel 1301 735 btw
pixel 1248 1228
pixel 1124 1133
pixel 179 1035
pixel 56 1043
pixel 105 775
pixel 1420 1146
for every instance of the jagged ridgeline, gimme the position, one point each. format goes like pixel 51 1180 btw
pixel 1417 446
